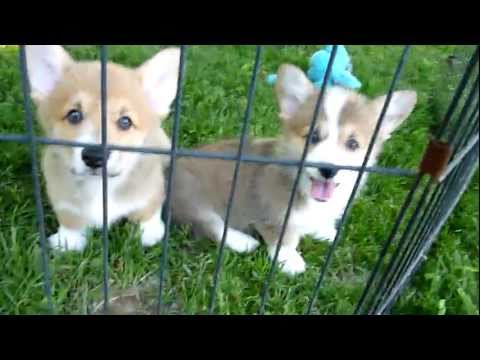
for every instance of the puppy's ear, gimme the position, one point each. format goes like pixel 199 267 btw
pixel 292 88
pixel 45 66
pixel 400 107
pixel 159 78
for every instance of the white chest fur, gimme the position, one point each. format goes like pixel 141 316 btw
pixel 319 218
pixel 316 219
pixel 88 201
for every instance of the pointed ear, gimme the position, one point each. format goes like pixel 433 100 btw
pixel 293 88
pixel 400 107
pixel 45 65
pixel 159 78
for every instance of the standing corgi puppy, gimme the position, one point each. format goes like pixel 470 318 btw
pixel 343 129
pixel 67 97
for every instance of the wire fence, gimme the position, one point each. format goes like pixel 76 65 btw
pixel 417 224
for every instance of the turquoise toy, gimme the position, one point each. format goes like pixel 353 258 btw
pixel 341 74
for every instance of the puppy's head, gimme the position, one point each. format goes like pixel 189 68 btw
pixel 67 94
pixel 343 127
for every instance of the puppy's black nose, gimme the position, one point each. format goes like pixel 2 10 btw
pixel 93 156
pixel 328 173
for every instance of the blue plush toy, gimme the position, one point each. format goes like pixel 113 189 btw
pixel 341 74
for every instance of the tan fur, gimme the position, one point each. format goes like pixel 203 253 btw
pixel 79 88
pixel 201 187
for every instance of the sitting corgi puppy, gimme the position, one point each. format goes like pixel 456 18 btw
pixel 343 130
pixel 68 100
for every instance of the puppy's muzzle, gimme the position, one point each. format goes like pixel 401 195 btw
pixel 93 156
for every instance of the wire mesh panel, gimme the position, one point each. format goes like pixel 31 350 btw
pixel 439 198
pixel 426 206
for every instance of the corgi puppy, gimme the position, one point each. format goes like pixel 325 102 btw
pixel 67 97
pixel 343 129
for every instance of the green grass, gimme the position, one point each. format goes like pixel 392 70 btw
pixel 214 102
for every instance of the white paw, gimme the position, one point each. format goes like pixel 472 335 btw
pixel 289 260
pixel 327 234
pixel 152 231
pixel 68 240
pixel 240 242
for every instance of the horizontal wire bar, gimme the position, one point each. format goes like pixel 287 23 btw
pixel 18 138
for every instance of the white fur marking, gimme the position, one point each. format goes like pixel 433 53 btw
pixel 153 230
pixel 68 240
pixel 64 206
pixel 289 259
pixel 240 242
pixel 236 240
pixel 318 219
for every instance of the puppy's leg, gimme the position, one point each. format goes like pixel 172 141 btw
pixel 326 227
pixel 328 233
pixel 71 235
pixel 212 226
pixel 289 259
pixel 151 224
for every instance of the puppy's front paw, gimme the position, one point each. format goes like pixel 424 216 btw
pixel 152 231
pixel 68 240
pixel 290 261
pixel 327 234
pixel 240 242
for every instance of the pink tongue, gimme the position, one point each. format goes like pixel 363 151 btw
pixel 322 190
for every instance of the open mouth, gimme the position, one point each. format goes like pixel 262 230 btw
pixel 322 190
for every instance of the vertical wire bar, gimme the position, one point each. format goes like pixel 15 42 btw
pixel 429 212
pixel 379 288
pixel 443 127
pixel 35 179
pixel 393 262
pixel 441 190
pixel 332 248
pixel 435 198
pixel 396 255
pixel 455 198
pixel 455 138
pixel 389 241
pixel 471 96
pixel 103 89
pixel 243 138
pixel 269 277
pixel 414 245
pixel 458 92
pixel 173 162
pixel 438 194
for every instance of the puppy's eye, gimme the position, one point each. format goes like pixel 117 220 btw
pixel 124 123
pixel 74 117
pixel 352 144
pixel 315 137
